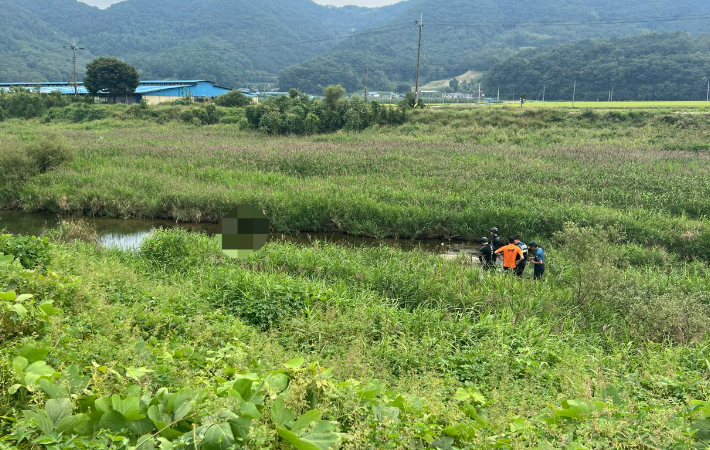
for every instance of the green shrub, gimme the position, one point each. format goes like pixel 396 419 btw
pixel 677 317
pixel 233 99
pixel 74 230
pixel 231 120
pixel 49 153
pixel 30 250
pixel 3 114
pixel 176 250
pixel 24 104
pixel 206 115
pixel 639 256
pixel 16 168
pixel 259 299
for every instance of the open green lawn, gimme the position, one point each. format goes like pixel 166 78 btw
pixel 317 346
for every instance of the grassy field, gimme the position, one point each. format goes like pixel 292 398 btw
pixel 670 106
pixel 319 346
pixel 666 107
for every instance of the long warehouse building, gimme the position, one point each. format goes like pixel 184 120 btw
pixel 154 91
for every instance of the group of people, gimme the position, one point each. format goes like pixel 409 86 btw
pixel 515 255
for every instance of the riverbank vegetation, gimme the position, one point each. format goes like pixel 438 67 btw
pixel 295 113
pixel 446 174
pixel 178 346
pixel 318 346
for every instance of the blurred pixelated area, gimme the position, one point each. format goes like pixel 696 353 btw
pixel 243 231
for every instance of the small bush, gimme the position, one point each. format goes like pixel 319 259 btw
pixel 74 230
pixel 15 168
pixel 24 104
pixel 673 317
pixel 639 256
pixel 177 250
pixel 30 250
pixel 233 99
pixel 262 300
pixel 49 153
pixel 22 316
pixel 206 115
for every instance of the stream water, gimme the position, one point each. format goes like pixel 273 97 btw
pixel 128 234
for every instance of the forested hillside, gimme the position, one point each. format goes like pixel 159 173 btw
pixel 30 49
pixel 243 43
pixel 461 35
pixel 670 66
pixel 232 42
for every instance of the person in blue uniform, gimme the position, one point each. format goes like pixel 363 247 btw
pixel 537 259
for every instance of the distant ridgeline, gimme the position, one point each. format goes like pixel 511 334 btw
pixel 462 35
pixel 245 43
pixel 669 66
pixel 233 42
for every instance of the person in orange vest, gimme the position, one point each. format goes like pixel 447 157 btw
pixel 511 254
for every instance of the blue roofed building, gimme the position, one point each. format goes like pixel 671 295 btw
pixel 153 91
pixel 161 91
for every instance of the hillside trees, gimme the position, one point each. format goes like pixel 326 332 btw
pixel 670 66
pixel 111 76
pixel 299 114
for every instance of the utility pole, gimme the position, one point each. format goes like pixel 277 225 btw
pixel 74 48
pixel 574 92
pixel 498 96
pixel 543 93
pixel 611 96
pixel 420 24
pixel 366 72
pixel 479 92
pixel 707 98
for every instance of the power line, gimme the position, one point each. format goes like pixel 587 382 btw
pixel 74 48
pixel 420 24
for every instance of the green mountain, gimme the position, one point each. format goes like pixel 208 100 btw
pixel 461 35
pixel 670 66
pixel 30 49
pixel 229 41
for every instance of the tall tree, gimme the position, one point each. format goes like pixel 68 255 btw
pixel 110 76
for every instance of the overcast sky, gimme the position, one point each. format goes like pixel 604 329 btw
pixel 105 3
pixel 356 2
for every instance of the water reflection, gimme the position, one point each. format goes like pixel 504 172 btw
pixel 128 234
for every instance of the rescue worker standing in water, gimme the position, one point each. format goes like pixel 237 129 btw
pixel 511 254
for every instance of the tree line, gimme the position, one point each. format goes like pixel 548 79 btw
pixel 299 113
pixel 668 66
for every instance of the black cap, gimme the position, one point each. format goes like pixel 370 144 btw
pixel 532 244
pixel 517 237
pixel 484 239
pixel 494 230
pixel 511 239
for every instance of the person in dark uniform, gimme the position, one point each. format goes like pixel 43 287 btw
pixel 537 260
pixel 520 268
pixel 495 243
pixel 486 255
